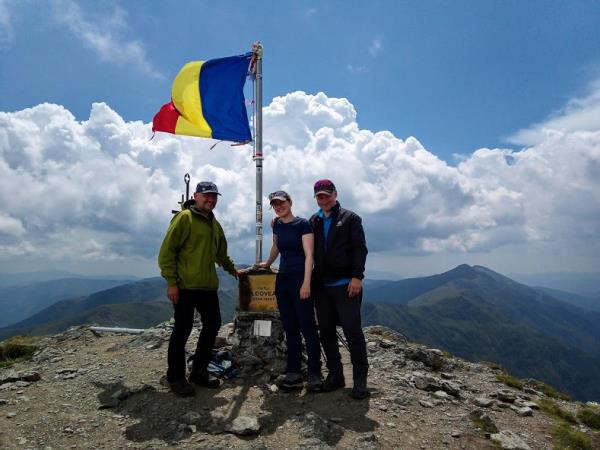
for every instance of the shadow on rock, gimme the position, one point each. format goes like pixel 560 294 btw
pixel 321 416
pixel 162 415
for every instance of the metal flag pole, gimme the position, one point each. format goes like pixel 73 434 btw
pixel 257 48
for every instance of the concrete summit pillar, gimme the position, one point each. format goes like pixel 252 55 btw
pixel 258 345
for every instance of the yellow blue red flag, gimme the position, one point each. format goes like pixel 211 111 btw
pixel 207 100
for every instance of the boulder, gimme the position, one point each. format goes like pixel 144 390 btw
pixel 509 441
pixel 483 402
pixel 244 425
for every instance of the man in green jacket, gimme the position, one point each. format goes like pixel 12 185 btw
pixel 193 244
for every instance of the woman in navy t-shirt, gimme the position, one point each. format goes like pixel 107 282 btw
pixel 293 238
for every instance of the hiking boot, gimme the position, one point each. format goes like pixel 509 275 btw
pixel 334 380
pixel 203 378
pixel 360 390
pixel 291 382
pixel 314 383
pixel 182 388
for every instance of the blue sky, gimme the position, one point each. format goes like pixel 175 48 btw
pixel 462 132
pixel 458 75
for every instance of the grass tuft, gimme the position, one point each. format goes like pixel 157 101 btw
pixel 549 391
pixel 590 417
pixel 567 438
pixel 16 349
pixel 554 410
pixel 511 381
pixel 494 366
pixel 437 363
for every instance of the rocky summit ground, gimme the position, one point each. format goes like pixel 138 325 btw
pixel 85 389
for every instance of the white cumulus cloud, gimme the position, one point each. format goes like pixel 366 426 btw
pixel 101 191
pixel 579 114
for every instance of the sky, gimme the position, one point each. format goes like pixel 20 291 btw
pixel 461 132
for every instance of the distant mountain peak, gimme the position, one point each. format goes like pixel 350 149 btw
pixel 470 272
pixel 495 275
pixel 485 269
pixel 461 271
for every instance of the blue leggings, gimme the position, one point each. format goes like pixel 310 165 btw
pixel 297 317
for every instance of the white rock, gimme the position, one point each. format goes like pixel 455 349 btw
pixel 483 402
pixel 243 425
pixel 440 394
pixel 525 411
pixel 509 441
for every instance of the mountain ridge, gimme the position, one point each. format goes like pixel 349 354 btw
pixel 477 313
pixel 470 311
pixel 101 308
pixel 18 302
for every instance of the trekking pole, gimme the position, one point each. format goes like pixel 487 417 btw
pixel 344 343
pixel 324 355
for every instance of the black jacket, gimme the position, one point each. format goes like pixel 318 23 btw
pixel 346 247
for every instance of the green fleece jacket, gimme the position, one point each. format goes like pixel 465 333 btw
pixel 193 244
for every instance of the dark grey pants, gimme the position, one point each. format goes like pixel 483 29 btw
pixel 335 307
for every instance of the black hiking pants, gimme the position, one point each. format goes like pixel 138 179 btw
pixel 335 307
pixel 207 304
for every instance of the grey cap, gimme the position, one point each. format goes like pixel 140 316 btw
pixel 207 187
pixel 279 195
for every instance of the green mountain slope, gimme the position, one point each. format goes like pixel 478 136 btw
pixel 479 314
pixel 139 304
pixel 587 301
pixel 399 292
pixel 517 303
pixel 128 315
pixel 24 300
pixel 576 282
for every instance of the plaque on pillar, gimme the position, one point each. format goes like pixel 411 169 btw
pixel 257 290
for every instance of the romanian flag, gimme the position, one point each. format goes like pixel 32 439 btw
pixel 207 100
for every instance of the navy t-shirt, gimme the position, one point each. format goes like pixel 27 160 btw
pixel 289 243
